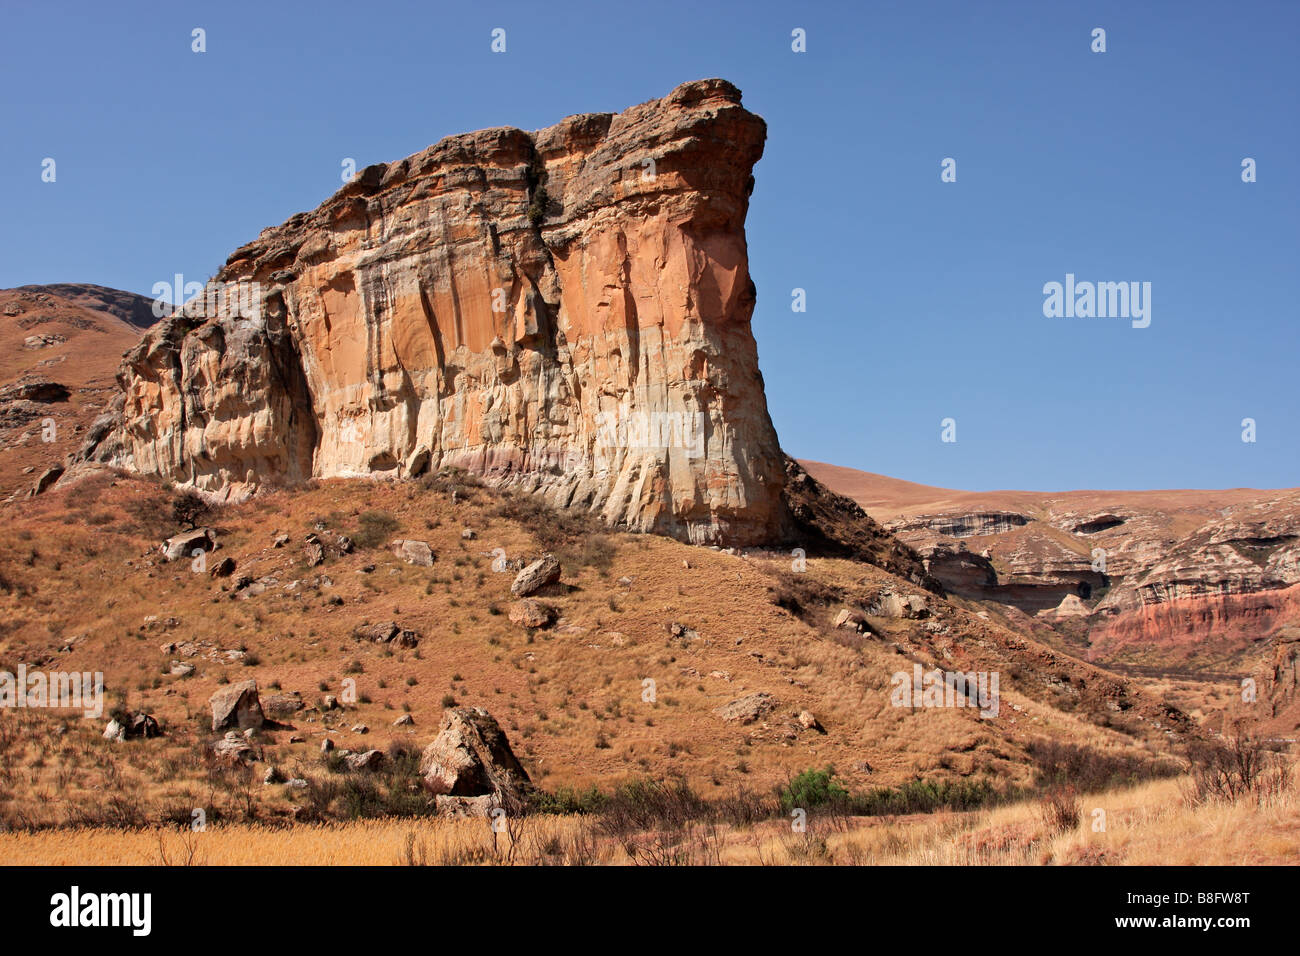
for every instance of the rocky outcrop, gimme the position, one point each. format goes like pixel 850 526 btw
pixel 565 311
pixel 471 760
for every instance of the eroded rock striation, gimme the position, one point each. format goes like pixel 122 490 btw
pixel 566 311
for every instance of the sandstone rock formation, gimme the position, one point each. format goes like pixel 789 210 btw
pixel 471 759
pixel 1173 579
pixel 237 705
pixel 565 311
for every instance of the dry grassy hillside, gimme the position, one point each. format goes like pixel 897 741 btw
pixel 83 587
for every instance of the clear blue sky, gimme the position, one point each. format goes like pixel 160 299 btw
pixel 924 298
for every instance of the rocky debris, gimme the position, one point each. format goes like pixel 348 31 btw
pixel 272 776
pixel 721 675
pixel 41 391
pixel 471 758
pixel 370 760
pixel 237 705
pixel 545 570
pixel 331 702
pixel 1070 606
pixel 313 553
pixel 282 706
pixel 890 603
pixel 134 726
pixel 406 720
pixel 852 620
pixel 360 729
pixel 184 545
pixel 747 709
pixel 46 481
pixel 563 210
pixel 143 725
pixel 326 745
pixel 624 582
pixel 414 552
pixel 280 540
pixel 386 632
pixel 809 722
pixel 234 748
pixel 224 568
pixel 531 613
pixel 42 341
pixel 469 534
pixel 683 634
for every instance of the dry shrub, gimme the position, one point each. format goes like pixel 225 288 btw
pixel 1061 809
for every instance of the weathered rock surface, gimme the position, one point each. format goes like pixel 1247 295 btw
pixel 237 705
pixel 746 710
pixel 566 311
pixel 531 613
pixel 471 757
pixel 545 570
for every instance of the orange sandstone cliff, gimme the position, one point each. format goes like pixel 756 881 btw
pixel 565 311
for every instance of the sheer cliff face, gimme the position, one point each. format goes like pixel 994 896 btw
pixel 567 311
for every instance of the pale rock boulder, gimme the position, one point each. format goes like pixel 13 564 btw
pixel 237 706
pixel 471 758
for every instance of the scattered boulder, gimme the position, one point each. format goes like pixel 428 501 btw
pixel 280 541
pixel 224 568
pixel 414 552
pixel 746 710
pixel 531 613
pixel 234 748
pixel 314 553
pixel 184 545
pixel 326 745
pixel 469 534
pixel 282 706
pixel 545 570
pixel 471 757
pixel 181 669
pixel 370 760
pixel 852 620
pixel 386 632
pixel 143 725
pixel 890 603
pixel 115 731
pixel 237 705
pixel 406 720
pixel 46 480
pixel 809 722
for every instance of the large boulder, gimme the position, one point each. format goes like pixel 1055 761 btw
pixel 184 545
pixel 545 570
pixel 237 705
pixel 471 757
pixel 414 552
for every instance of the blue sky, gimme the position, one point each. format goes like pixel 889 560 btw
pixel 925 298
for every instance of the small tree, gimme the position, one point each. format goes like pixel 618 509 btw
pixel 189 508
pixel 812 788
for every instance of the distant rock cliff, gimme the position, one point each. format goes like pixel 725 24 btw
pixel 565 311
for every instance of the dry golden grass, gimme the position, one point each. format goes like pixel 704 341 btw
pixel 82 563
pixel 1151 824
